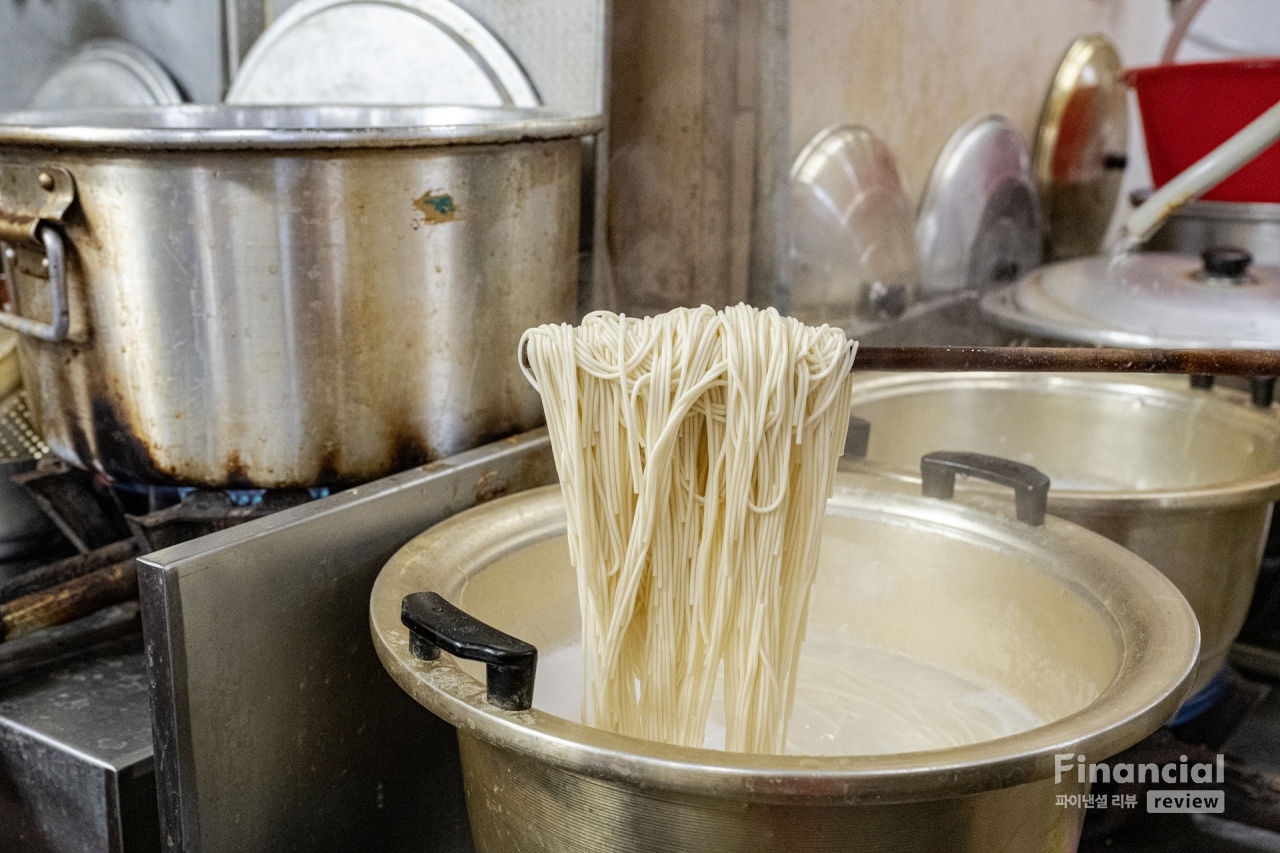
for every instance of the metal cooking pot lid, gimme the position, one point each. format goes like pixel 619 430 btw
pixel 852 247
pixel 380 52
pixel 1080 147
pixel 1147 299
pixel 980 221
pixel 107 73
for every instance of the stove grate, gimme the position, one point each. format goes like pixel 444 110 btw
pixel 18 438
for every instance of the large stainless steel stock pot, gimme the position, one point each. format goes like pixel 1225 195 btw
pixel 283 296
pixel 1090 637
pixel 1184 478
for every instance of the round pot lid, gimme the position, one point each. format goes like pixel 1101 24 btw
pixel 1080 147
pixel 852 249
pixel 980 221
pixel 380 52
pixel 107 73
pixel 1149 299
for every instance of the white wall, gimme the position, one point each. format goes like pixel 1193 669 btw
pixel 915 70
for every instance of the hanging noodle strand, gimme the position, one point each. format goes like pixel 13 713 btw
pixel 695 451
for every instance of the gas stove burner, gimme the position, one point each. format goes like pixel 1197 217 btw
pixel 201 512
pixel 159 498
pixel 83 595
pixel 89 514
pixel 92 514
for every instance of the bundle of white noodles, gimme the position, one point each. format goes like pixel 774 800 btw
pixel 696 451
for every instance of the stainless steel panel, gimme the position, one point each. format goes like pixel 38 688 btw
pixel 276 727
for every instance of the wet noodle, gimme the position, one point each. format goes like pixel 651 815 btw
pixel 695 451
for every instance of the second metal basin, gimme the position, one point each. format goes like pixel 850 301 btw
pixel 1183 478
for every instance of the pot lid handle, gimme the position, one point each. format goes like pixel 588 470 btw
pixel 435 624
pixel 1226 262
pixel 1030 486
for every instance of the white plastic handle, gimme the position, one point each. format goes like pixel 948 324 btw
pixel 1205 174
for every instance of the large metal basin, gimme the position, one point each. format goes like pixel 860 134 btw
pixel 284 297
pixel 1092 638
pixel 1181 477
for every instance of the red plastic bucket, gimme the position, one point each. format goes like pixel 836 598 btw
pixel 1188 110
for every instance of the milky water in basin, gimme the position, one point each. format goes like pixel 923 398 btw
pixel 919 638
pixel 851 699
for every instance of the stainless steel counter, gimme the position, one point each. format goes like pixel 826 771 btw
pixel 276 727
pixel 76 771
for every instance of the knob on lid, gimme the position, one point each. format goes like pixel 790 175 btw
pixel 1226 261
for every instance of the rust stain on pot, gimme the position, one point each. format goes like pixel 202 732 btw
pixel 15 226
pixel 436 208
pixel 119 451
pixel 123 454
pixel 491 485
pixel 410 451
pixel 405 452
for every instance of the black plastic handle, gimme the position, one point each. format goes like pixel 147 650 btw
pixel 1030 486
pixel 435 624
pixel 857 439
pixel 1228 262
pixel 1263 390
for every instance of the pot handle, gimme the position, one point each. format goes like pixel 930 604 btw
pixel 511 664
pixel 857 439
pixel 55 257
pixel 1030 486
pixel 31 210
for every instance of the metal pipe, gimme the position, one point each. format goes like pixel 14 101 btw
pixel 1203 175
pixel 1182 18
pixel 67 602
pixel 62 571
pixel 1217 362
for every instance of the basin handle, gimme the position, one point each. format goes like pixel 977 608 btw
pixel 1030 486
pixel 857 439
pixel 1263 390
pixel 511 664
